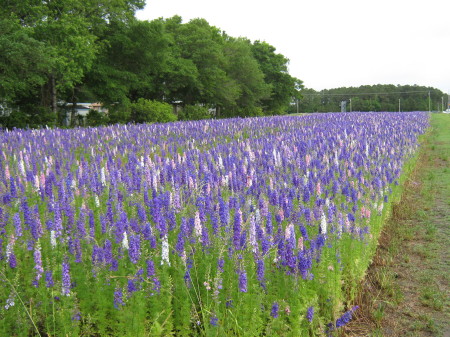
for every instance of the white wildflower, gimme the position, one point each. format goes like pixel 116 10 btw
pixel 97 201
pixel 22 167
pixel 10 245
pixel 103 176
pixel 165 251
pixel 220 163
pixel 197 224
pixel 323 224
pixel 53 238
pixel 125 241
pixel 10 301
pixel 253 239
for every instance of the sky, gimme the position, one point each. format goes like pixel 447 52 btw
pixel 336 43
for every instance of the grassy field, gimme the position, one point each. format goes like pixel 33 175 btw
pixel 406 291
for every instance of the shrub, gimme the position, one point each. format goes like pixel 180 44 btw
pixel 144 111
pixel 195 112
pixel 96 118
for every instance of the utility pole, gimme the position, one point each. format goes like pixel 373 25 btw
pixel 399 110
pixel 442 104
pixel 429 102
pixel 350 105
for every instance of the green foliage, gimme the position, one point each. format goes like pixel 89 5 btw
pixel 28 117
pixel 50 46
pixel 194 112
pixel 96 118
pixel 284 87
pixel 106 51
pixel 380 97
pixel 23 60
pixel 145 111
pixel 243 68
pixel 119 114
pixel 16 119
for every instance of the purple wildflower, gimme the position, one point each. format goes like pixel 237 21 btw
pixel 49 283
pixel 131 287
pixel 135 248
pixel 179 247
pixel 150 268
pixel 118 298
pixel 76 317
pixel 12 260
pixel 265 245
pixel 91 224
pixel 214 320
pixel 205 237
pixel 237 229
pixel 304 232
pixel 260 271
pixel 156 285
pixel 38 262
pixel 66 284
pixel 17 225
pixel 223 212
pixel 243 281
pixel 269 227
pixel 304 263
pixel 220 264
pixel 274 311
pixel 214 224
pixel 107 252
pixel 351 217
pixel 310 314
pixel 114 265
pixel 81 227
pixel 346 317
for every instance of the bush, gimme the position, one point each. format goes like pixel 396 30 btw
pixel 28 118
pixel 195 112
pixel 96 118
pixel 144 111
pixel 119 114
pixel 16 119
pixel 250 111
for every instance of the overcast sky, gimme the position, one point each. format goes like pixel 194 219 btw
pixel 332 43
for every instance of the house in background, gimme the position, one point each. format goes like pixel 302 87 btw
pixel 80 111
pixel 5 110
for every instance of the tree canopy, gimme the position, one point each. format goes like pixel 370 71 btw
pixel 60 52
pixel 380 97
pixel 67 51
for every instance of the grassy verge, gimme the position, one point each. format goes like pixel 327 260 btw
pixel 406 291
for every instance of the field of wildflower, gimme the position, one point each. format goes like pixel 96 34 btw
pixel 246 227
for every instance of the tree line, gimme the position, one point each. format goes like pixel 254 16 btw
pixel 54 52
pixel 380 97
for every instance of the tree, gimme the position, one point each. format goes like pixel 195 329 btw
pixel 131 63
pixel 23 60
pixel 283 86
pixel 66 31
pixel 245 72
pixel 380 97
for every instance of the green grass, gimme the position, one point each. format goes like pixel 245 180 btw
pixel 423 240
pixel 433 297
pixel 408 281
